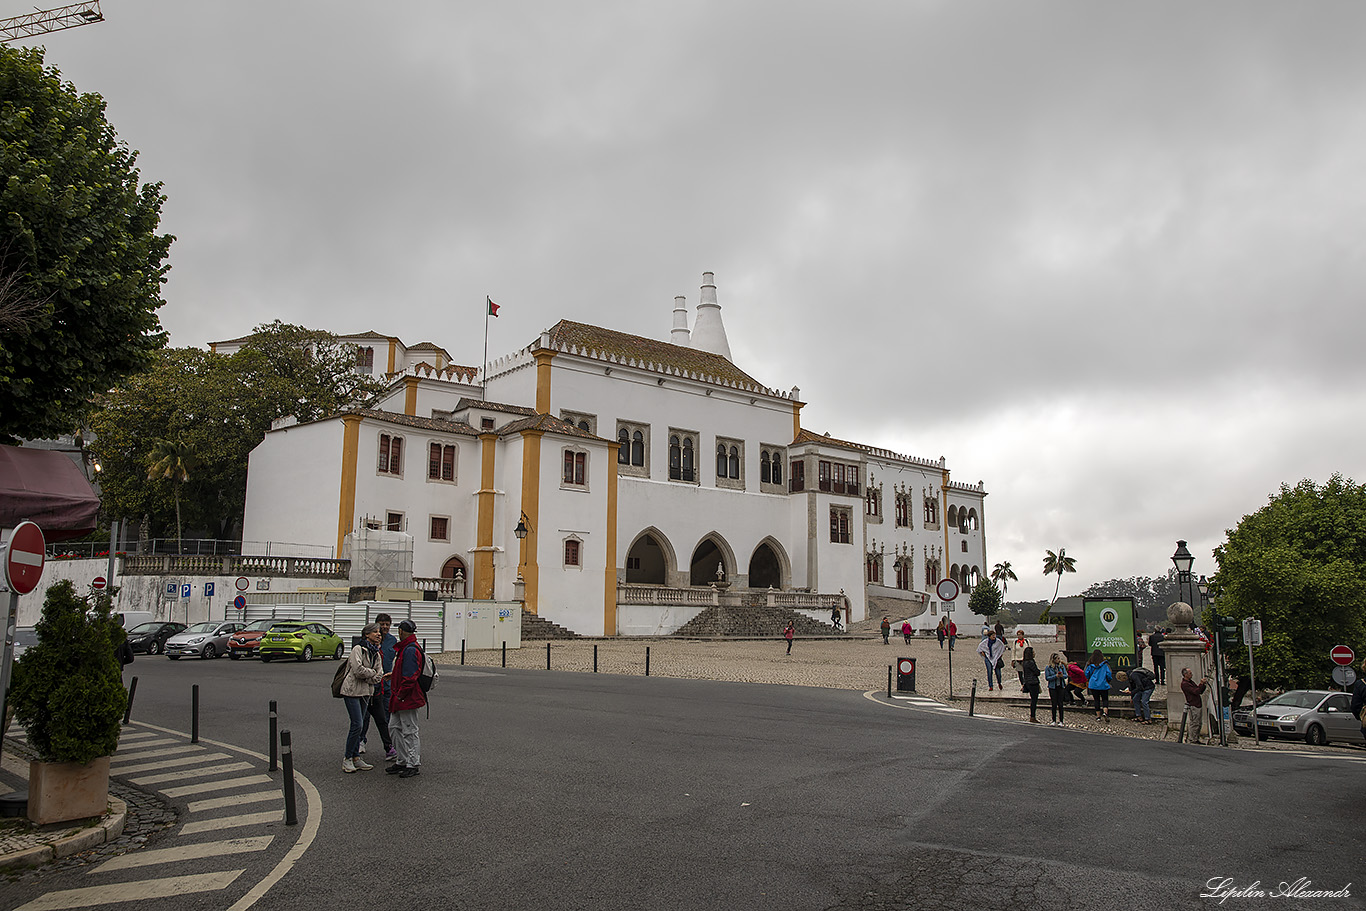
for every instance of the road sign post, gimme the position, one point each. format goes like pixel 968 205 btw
pixel 947 590
pixel 1252 635
pixel 23 567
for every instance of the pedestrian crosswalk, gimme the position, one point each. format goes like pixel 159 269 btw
pixel 924 702
pixel 228 826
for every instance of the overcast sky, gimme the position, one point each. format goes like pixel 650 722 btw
pixel 1103 257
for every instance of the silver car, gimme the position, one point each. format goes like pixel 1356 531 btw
pixel 207 640
pixel 1316 716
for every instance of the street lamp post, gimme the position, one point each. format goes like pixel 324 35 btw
pixel 1183 561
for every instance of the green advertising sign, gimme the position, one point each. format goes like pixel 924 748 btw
pixel 1109 625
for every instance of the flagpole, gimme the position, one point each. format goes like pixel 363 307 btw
pixel 484 385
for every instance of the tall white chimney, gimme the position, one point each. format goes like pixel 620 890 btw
pixel 680 334
pixel 708 333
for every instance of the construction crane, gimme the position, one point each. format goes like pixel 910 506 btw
pixel 40 22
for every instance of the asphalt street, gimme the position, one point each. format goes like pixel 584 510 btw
pixel 566 790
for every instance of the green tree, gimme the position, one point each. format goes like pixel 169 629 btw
pixel 68 688
pixel 171 461
pixel 1003 575
pixel 83 263
pixel 1058 563
pixel 985 599
pixel 218 407
pixel 1298 564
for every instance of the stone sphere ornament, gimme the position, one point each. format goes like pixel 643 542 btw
pixel 1180 615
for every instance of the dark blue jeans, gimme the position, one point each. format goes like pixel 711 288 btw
pixel 355 708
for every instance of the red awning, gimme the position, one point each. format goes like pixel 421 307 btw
pixel 46 488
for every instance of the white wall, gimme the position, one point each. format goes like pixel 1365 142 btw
pixel 294 484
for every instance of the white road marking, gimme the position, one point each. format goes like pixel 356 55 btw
pixel 185 852
pixel 167 764
pixel 140 735
pixel 142 890
pixel 225 784
pixel 199 806
pixel 157 752
pixel 183 774
pixel 231 822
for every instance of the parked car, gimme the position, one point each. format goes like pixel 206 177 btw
pixel 151 637
pixel 246 643
pixel 207 640
pixel 300 641
pixel 1316 716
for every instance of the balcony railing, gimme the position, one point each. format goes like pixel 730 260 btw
pixel 234 565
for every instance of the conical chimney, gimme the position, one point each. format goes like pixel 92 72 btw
pixel 680 334
pixel 708 332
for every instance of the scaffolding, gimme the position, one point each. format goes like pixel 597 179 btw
pixel 41 22
pixel 379 557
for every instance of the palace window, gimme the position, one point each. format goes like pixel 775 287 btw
pixel 633 447
pixel 730 460
pixel 931 513
pixel 440 529
pixel 797 477
pixel 441 462
pixel 873 569
pixel 390 454
pixel 572 552
pixel 365 360
pixel 839 525
pixel 931 573
pixel 588 423
pixel 903 574
pixel 393 521
pixel 873 499
pixel 903 510
pixel 682 456
pixel 770 469
pixel 575 468
pixel 837 477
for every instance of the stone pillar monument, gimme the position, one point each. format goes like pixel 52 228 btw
pixel 1184 649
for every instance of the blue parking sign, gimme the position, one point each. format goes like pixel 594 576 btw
pixel 185 590
pixel 208 589
pixel 170 589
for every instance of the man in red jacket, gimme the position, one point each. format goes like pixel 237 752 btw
pixel 405 698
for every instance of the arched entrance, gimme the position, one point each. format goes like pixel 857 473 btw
pixel 449 568
pixel 646 563
pixel 705 559
pixel 765 568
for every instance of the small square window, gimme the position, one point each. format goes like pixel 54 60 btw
pixel 486 423
pixel 571 552
pixel 440 528
pixel 393 521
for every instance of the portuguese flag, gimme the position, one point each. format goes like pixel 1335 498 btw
pixel 493 308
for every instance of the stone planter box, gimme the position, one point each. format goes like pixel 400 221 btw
pixel 62 791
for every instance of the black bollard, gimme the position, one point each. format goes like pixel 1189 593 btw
pixel 505 653
pixel 972 699
pixel 595 659
pixel 647 661
pixel 889 681
pixel 547 656
pixel 194 714
pixel 132 691
pixel 462 652
pixel 274 745
pixel 287 760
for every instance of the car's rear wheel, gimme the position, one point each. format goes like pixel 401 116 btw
pixel 233 655
pixel 336 656
pixel 306 654
pixel 154 648
pixel 1316 735
pixel 265 658
pixel 210 651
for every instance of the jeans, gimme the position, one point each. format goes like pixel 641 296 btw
pixel 355 708
pixel 379 711
pixel 1141 708
pixel 407 741
pixel 1056 695
pixel 992 669
pixel 1102 700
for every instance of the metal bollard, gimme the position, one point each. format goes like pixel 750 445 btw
pixel 972 699
pixel 647 661
pixel 505 653
pixel 889 681
pixel 595 659
pixel 132 691
pixel 462 652
pixel 274 745
pixel 287 760
pixel 194 714
pixel 547 656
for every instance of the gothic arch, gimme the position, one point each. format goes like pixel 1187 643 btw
pixel 453 563
pixel 702 566
pixel 953 517
pixel 972 520
pixel 774 570
pixel 655 563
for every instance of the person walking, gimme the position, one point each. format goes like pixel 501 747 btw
pixel 1159 663
pixel 1021 643
pixel 835 618
pixel 1142 682
pixel 906 633
pixel 379 701
pixel 363 671
pixel 1358 699
pixel 993 652
pixel 953 634
pixel 1140 643
pixel 405 698
pixel 1098 679
pixel 886 630
pixel 788 632
pixel 1029 680
pixel 1194 703
pixel 1055 674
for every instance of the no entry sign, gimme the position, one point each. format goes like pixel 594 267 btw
pixel 25 557
pixel 98 583
pixel 1342 655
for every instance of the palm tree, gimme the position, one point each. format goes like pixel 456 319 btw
pixel 1000 573
pixel 1058 563
pixel 171 461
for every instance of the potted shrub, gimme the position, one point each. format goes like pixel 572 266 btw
pixel 68 693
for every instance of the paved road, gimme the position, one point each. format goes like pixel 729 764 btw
pixel 560 790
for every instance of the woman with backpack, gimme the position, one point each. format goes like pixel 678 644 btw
pixel 363 671
pixel 1029 680
pixel 1098 677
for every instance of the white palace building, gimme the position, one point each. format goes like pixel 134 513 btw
pixel 618 485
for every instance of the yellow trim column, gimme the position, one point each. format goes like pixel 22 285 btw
pixel 543 359
pixel 410 395
pixel 393 354
pixel 796 419
pixel 346 497
pixel 482 584
pixel 530 567
pixel 609 585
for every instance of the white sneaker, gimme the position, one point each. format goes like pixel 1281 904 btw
pixel 348 765
pixel 362 764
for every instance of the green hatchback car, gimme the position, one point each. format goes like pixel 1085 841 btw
pixel 300 641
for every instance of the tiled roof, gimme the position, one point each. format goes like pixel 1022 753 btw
pixel 370 333
pixel 549 424
pixel 428 346
pixel 408 420
pixel 595 341
pixel 809 436
pixel 491 406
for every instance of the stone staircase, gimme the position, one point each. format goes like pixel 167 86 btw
pixel 756 621
pixel 538 628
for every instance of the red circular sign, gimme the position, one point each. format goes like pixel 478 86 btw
pixel 947 590
pixel 98 583
pixel 1341 654
pixel 24 558
pixel 242 583
pixel 906 665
